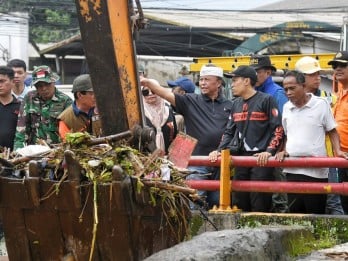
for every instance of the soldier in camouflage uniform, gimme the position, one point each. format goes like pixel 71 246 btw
pixel 40 109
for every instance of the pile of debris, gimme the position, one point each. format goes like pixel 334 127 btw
pixel 103 160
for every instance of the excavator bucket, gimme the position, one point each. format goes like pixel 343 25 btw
pixel 43 224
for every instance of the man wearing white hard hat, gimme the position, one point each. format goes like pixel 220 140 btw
pixel 206 116
pixel 310 67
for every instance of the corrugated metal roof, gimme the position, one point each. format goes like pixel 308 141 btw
pixel 339 5
pixel 208 33
pixel 232 20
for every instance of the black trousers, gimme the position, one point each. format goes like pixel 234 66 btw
pixel 306 203
pixel 343 177
pixel 253 201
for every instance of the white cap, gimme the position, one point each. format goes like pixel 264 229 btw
pixel 211 70
pixel 307 65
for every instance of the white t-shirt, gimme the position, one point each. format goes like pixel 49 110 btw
pixel 305 129
pixel 25 91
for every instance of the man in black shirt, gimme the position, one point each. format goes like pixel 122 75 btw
pixel 206 116
pixel 9 108
pixel 256 115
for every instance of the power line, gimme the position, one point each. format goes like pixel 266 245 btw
pixel 334 9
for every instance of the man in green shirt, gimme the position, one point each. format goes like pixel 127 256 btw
pixel 40 109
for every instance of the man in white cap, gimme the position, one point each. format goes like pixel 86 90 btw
pixel 310 67
pixel 206 116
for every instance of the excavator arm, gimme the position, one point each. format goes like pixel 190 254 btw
pixel 106 32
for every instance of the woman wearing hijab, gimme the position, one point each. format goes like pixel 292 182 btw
pixel 160 116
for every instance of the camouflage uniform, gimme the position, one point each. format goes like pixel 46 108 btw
pixel 38 119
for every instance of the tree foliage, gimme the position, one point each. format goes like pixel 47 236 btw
pixel 49 20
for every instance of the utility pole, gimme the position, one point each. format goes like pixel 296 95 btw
pixel 344 36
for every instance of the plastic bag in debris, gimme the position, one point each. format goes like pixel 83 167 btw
pixel 33 151
pixel 165 172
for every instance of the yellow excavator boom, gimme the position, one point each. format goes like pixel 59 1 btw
pixel 281 62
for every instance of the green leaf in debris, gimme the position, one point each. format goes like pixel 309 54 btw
pixel 77 138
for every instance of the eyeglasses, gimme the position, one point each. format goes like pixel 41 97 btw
pixel 146 92
pixel 341 65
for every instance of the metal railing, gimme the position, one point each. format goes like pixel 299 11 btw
pixel 225 185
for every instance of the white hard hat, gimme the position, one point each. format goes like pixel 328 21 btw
pixel 307 65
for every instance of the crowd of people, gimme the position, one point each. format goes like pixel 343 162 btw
pixel 271 120
pixel 295 118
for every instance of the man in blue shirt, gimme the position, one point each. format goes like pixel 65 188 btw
pixel 264 68
pixel 181 86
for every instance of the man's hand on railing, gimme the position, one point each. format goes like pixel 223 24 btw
pixel 281 155
pixel 341 154
pixel 262 158
pixel 213 156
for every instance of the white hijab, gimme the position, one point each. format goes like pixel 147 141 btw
pixel 158 114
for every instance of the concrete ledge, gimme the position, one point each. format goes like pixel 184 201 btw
pixel 266 243
pixel 259 236
pixel 339 252
pixel 254 219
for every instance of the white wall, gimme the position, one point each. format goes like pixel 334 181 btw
pixel 14 37
pixel 321 45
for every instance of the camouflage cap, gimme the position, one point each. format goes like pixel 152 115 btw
pixel 82 83
pixel 43 73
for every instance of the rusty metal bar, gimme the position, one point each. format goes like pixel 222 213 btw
pixel 274 186
pixel 110 138
pixel 250 161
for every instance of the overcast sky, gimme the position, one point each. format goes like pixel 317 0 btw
pixel 206 4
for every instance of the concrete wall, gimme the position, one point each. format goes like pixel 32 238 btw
pixel 163 68
pixel 157 67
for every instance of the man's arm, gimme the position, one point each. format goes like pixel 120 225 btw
pixel 282 153
pixel 63 130
pixel 275 125
pixel 154 86
pixel 335 141
pixel 22 128
pixel 277 133
pixel 229 132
